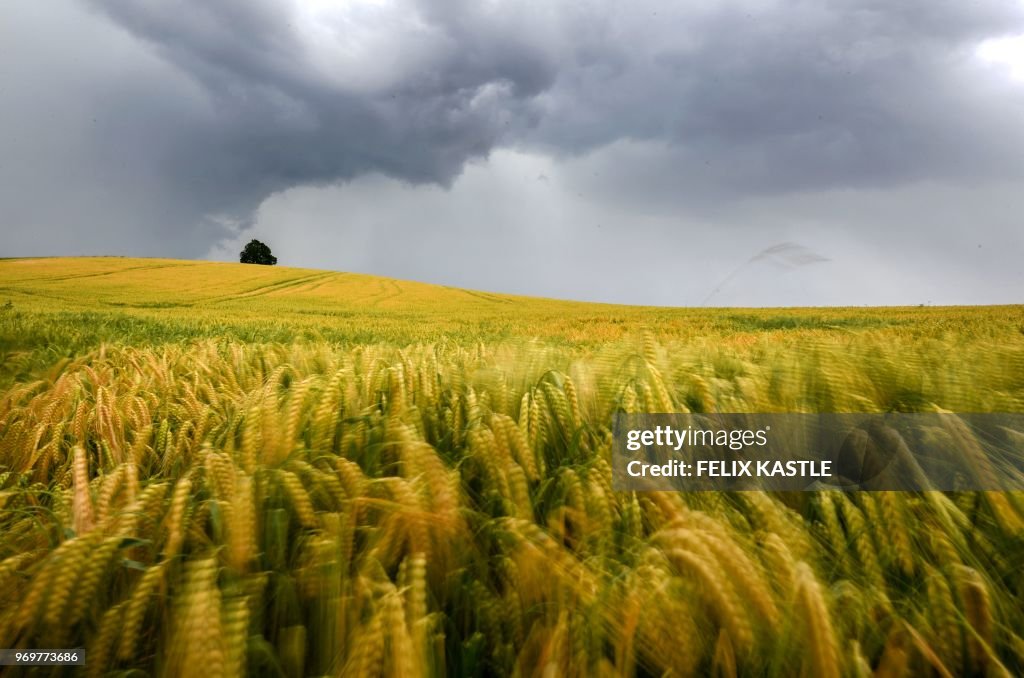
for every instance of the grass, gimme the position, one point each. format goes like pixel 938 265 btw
pixel 228 470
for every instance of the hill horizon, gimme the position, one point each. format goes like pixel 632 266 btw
pixel 316 278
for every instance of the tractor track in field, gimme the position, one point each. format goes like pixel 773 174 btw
pixel 264 290
pixel 384 294
pixel 494 299
pixel 107 273
pixel 324 281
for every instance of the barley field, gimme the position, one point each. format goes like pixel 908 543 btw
pixel 226 470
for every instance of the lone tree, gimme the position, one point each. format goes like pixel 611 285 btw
pixel 257 253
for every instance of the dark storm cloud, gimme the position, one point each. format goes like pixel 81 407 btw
pixel 281 121
pixel 157 140
pixel 763 98
pixel 782 96
pixel 205 109
pixel 274 122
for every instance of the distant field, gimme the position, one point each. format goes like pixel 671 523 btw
pixel 221 469
pixel 141 300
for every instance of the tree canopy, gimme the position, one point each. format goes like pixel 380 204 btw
pixel 257 253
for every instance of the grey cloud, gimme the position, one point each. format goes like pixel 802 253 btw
pixel 794 94
pixel 204 110
pixel 84 133
pixel 800 96
pixel 279 122
pixel 219 106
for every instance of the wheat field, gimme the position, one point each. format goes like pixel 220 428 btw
pixel 225 470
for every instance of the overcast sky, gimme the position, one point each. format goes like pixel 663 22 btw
pixel 722 153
